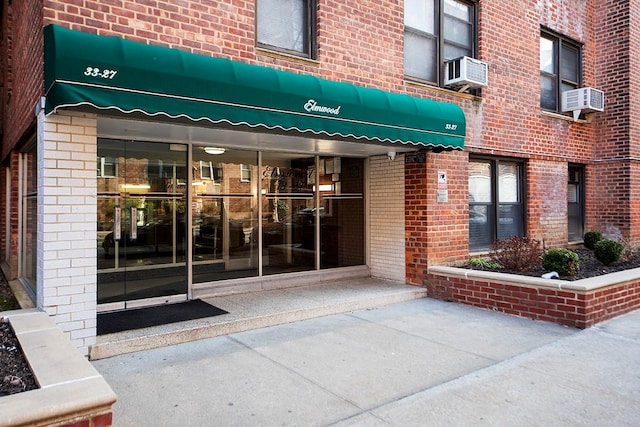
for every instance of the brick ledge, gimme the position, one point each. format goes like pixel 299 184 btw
pixel 71 390
pixel 584 285
pixel 580 303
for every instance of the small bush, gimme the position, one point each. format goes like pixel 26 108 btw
pixel 563 261
pixel 483 264
pixel 591 238
pixel 517 253
pixel 630 251
pixel 608 251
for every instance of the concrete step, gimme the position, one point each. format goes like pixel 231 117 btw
pixel 253 310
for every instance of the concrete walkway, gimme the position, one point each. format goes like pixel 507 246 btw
pixel 253 310
pixel 416 363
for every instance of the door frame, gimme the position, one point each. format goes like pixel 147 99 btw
pixel 121 196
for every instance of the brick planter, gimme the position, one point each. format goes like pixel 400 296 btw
pixel 72 392
pixel 580 303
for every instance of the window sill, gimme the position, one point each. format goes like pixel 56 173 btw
pixel 432 88
pixel 286 56
pixel 477 253
pixel 559 116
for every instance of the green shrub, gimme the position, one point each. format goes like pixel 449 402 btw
pixel 564 261
pixel 483 264
pixel 630 251
pixel 608 251
pixel 517 253
pixel 591 238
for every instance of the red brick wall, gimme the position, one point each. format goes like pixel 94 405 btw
pixel 435 232
pixel 580 309
pixel 5 58
pixel 102 420
pixel 616 197
pixel 547 193
pixel 25 79
pixel 362 43
pixel 513 124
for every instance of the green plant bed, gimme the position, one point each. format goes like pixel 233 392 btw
pixel 589 266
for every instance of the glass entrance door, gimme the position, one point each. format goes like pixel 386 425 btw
pixel 575 203
pixel 141 223
pixel 224 214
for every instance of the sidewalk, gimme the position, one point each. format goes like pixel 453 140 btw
pixel 415 363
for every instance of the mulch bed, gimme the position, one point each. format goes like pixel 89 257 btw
pixel 15 373
pixel 589 266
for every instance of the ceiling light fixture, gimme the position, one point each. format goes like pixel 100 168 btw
pixel 214 150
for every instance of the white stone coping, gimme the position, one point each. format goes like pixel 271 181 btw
pixel 582 285
pixel 70 386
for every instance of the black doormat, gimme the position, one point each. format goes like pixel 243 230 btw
pixel 119 321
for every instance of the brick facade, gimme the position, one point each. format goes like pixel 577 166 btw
pixel 23 46
pixel 67 223
pixel 615 199
pixel 362 43
pixel 386 213
pixel 572 305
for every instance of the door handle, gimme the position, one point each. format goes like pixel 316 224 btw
pixel 116 223
pixel 133 234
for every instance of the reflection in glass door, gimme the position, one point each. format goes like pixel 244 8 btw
pixel 288 213
pixel 342 228
pixel 224 214
pixel 141 222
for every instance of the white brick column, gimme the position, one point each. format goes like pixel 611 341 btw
pixel 386 216
pixel 67 266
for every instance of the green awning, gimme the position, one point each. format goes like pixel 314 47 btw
pixel 109 73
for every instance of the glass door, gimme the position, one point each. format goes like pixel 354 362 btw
pixel 575 203
pixel 141 223
pixel 342 228
pixel 224 221
pixel 289 227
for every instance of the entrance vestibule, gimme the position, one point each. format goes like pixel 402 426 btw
pixel 172 215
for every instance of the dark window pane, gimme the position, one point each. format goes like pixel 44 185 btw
pixel 488 221
pixel 548 94
pixel 457 9
pixel 569 64
pixel 420 15
pixel 283 23
pixel 436 31
pixel 420 57
pixel 559 69
pixel 480 227
pixel 457 31
pixel 453 52
pixel 510 221
pixel 342 212
pixel 568 86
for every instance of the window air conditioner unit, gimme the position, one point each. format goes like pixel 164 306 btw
pixel 465 71
pixel 585 99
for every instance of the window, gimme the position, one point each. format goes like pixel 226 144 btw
pixel 245 173
pixel 107 167
pixel 496 205
pixel 209 171
pixel 575 203
pixel 29 222
pixel 560 69
pixel 437 31
pixel 287 25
